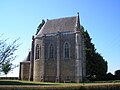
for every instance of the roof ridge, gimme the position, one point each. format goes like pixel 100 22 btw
pixel 61 18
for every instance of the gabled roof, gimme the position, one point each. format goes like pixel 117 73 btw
pixel 59 25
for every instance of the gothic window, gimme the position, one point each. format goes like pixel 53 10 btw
pixel 37 51
pixel 51 51
pixel 66 50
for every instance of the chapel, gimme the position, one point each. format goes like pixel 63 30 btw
pixel 57 53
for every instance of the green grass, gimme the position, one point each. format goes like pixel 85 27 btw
pixel 27 85
pixel 18 82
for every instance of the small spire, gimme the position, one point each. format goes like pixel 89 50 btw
pixel 33 37
pixel 78 13
pixel 78 22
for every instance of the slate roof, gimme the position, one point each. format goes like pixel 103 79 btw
pixel 27 59
pixel 61 25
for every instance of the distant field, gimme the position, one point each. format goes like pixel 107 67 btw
pixel 26 85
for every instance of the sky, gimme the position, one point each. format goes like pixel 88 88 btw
pixel 101 18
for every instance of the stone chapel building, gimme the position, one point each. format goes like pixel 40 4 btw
pixel 57 53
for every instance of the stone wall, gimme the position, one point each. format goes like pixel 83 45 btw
pixel 50 63
pixel 25 70
pixel 67 66
pixel 37 70
pixel 37 63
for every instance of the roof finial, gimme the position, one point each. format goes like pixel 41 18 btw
pixel 33 37
pixel 78 22
pixel 78 13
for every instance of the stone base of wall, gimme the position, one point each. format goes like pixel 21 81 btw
pixel 25 70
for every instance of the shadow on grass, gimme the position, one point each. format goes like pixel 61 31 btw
pixel 7 82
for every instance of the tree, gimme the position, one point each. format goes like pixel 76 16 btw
pixel 100 66
pixel 7 55
pixel 117 74
pixel 40 26
pixel 109 76
pixel 95 64
pixel 6 67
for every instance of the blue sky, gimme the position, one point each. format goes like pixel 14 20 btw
pixel 20 18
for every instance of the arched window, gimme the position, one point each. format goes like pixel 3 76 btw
pixel 51 51
pixel 66 50
pixel 37 51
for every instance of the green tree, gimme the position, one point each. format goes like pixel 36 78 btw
pixel 100 66
pixel 95 64
pixel 7 54
pixel 117 74
pixel 6 67
pixel 40 26
pixel 109 76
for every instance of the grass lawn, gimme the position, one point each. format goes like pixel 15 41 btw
pixel 18 82
pixel 27 85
